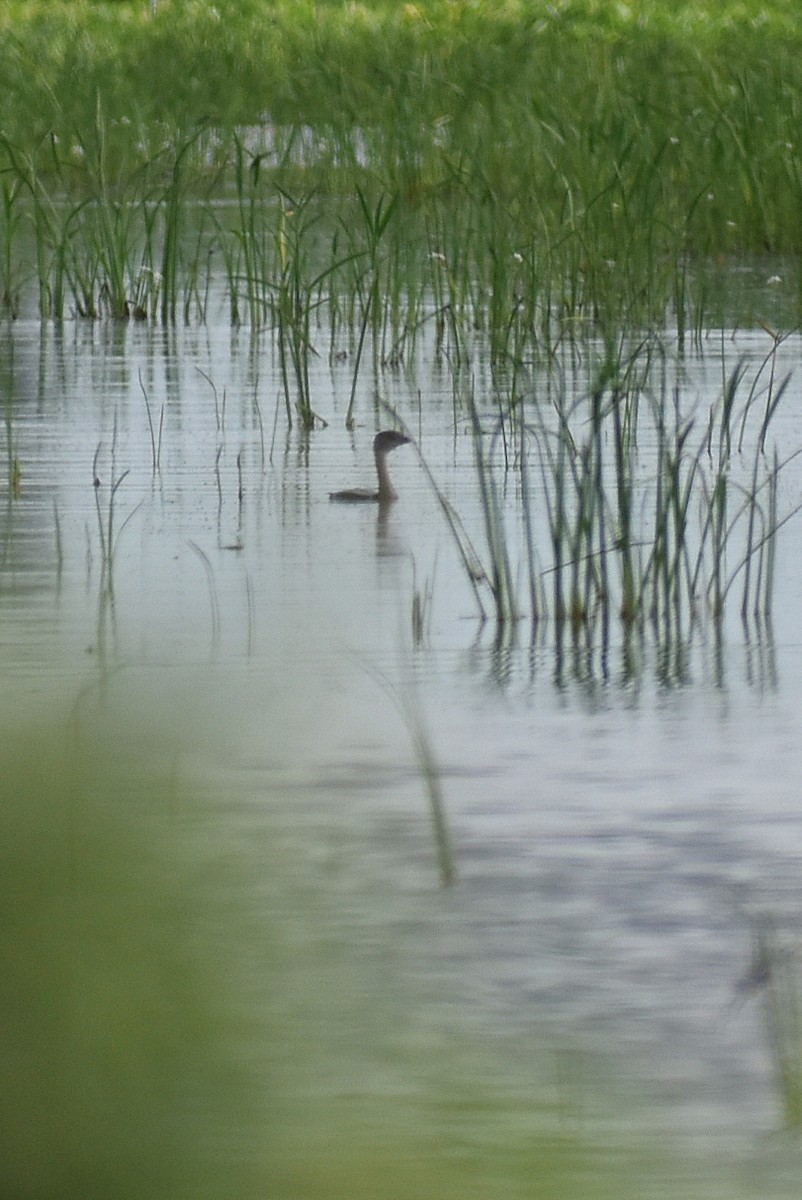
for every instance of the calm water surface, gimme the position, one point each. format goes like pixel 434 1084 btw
pixel 619 825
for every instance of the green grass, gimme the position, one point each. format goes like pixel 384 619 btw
pixel 564 161
pixel 634 505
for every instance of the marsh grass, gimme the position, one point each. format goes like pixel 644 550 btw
pixel 509 163
pixel 500 575
pixel 632 503
pixel 373 264
pixel 295 296
pixel 529 202
pixel 369 289
pixel 11 215
pixel 712 520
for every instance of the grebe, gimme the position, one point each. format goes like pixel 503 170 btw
pixel 383 443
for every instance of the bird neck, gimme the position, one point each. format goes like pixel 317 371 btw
pixel 386 489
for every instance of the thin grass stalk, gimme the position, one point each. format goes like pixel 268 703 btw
pixel 246 235
pixel 680 498
pixel 10 286
pixel 598 490
pixel 405 698
pixel 577 602
pixel 100 524
pixel 258 414
pixel 663 570
pixel 772 523
pixel 106 520
pixel 24 168
pixel 360 345
pixel 432 778
pixel 421 606
pixel 750 535
pixel 219 409
pixel 586 587
pixel 470 560
pixel 719 539
pixel 81 272
pixel 155 442
pixel 770 361
pixel 111 251
pixel 771 408
pixel 656 574
pixel 284 366
pixel 727 406
pixel 535 606
pixel 706 512
pixel 718 497
pixel 173 216
pixel 293 328
pixel 501 570
pixel 761 562
pixel 196 294
pixel 630 601
pixel 553 471
pixel 232 252
pixel 771 546
pixel 375 222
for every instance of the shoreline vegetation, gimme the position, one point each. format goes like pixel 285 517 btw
pixel 591 161
pixel 582 156
pixel 647 114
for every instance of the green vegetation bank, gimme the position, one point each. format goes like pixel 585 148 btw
pixel 572 138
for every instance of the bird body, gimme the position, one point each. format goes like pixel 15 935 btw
pixel 383 443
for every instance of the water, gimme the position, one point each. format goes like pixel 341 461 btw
pixel 618 826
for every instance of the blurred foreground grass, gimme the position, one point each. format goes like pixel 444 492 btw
pixel 183 1016
pixel 121 1059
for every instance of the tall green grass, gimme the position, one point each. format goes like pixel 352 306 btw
pixel 538 169
pixel 634 504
